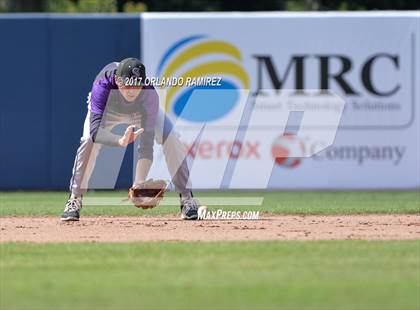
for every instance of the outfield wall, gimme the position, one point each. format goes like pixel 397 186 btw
pixel 369 60
pixel 48 65
pixel 49 62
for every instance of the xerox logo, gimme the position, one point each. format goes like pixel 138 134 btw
pixel 207 149
pixel 288 150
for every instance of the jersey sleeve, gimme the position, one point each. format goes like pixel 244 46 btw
pixel 99 97
pixel 101 135
pixel 101 88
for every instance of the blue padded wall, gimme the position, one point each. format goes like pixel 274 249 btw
pixel 48 65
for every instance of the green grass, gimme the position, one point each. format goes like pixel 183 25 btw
pixel 52 203
pixel 214 275
pixel 237 275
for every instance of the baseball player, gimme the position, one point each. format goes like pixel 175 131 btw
pixel 118 96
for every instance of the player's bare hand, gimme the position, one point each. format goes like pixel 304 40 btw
pixel 130 135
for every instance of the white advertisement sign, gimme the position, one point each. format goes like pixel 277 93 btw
pixel 303 101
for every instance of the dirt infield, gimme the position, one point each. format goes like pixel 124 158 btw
pixel 273 227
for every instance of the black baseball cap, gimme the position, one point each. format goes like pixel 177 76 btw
pixel 131 67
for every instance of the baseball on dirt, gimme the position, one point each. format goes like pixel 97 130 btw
pixel 202 211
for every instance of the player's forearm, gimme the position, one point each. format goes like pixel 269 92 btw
pixel 142 170
pixel 100 134
pixel 106 137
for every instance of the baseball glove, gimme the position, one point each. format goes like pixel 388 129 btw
pixel 148 194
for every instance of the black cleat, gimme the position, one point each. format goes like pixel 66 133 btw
pixel 189 209
pixel 72 210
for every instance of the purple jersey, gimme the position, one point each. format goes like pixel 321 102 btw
pixel 105 83
pixel 105 96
